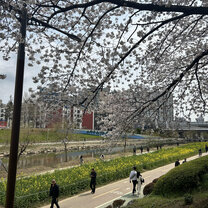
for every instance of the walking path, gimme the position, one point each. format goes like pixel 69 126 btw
pixel 122 189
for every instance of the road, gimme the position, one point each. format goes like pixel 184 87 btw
pixel 105 195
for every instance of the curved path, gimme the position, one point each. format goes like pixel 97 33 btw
pixel 105 195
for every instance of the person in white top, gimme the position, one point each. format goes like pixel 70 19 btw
pixel 139 184
pixel 133 178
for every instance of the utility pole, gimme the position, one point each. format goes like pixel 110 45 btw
pixel 12 170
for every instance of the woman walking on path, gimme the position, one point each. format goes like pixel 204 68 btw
pixel 139 184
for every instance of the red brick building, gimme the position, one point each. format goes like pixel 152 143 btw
pixel 3 124
pixel 88 121
pixel 82 121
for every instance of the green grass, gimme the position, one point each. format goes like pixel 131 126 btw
pixel 200 200
pixel 178 187
pixel 43 135
pixel 182 179
pixel 31 189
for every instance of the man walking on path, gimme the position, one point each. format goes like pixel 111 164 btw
pixel 93 175
pixel 134 150
pixel 177 163
pixel 54 193
pixel 141 149
pixel 133 178
pixel 184 160
pixel 200 152
pixel 108 193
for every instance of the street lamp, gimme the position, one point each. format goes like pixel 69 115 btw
pixel 12 170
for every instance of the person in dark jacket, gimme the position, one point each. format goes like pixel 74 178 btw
pixel 184 160
pixel 134 150
pixel 141 149
pixel 200 152
pixel 177 163
pixel 206 148
pixel 54 193
pixel 93 175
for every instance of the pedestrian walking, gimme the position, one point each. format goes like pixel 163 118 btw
pixel 134 150
pixel 93 176
pixel 148 149
pixel 133 178
pixel 184 160
pixel 54 193
pixel 102 157
pixel 206 148
pixel 141 148
pixel 177 163
pixel 140 180
pixel 81 159
pixel 157 147
pixel 200 152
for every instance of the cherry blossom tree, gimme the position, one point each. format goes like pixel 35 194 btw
pixel 2 76
pixel 91 44
pixel 83 44
pixel 117 111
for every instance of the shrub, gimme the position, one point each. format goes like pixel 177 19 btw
pixel 118 203
pixel 188 199
pixel 148 188
pixel 30 190
pixel 182 179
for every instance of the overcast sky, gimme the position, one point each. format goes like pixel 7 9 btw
pixel 7 85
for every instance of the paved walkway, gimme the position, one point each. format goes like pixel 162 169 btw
pixel 122 189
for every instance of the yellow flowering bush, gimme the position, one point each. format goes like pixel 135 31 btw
pixel 73 180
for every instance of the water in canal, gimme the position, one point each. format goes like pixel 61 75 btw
pixel 52 159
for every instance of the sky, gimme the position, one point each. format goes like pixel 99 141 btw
pixel 7 85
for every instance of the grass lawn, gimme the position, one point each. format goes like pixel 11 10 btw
pixel 169 191
pixel 44 135
pixel 200 200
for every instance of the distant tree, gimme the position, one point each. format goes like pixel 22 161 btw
pixel 66 131
pixel 8 112
pixel 25 142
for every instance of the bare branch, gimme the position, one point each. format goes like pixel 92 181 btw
pixel 189 10
pixel 128 53
pixel 41 23
pixel 173 84
pixel 75 65
pixel 199 86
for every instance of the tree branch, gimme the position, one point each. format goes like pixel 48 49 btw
pixel 173 84
pixel 41 23
pixel 189 10
pixel 199 86
pixel 128 53
pixel 69 79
